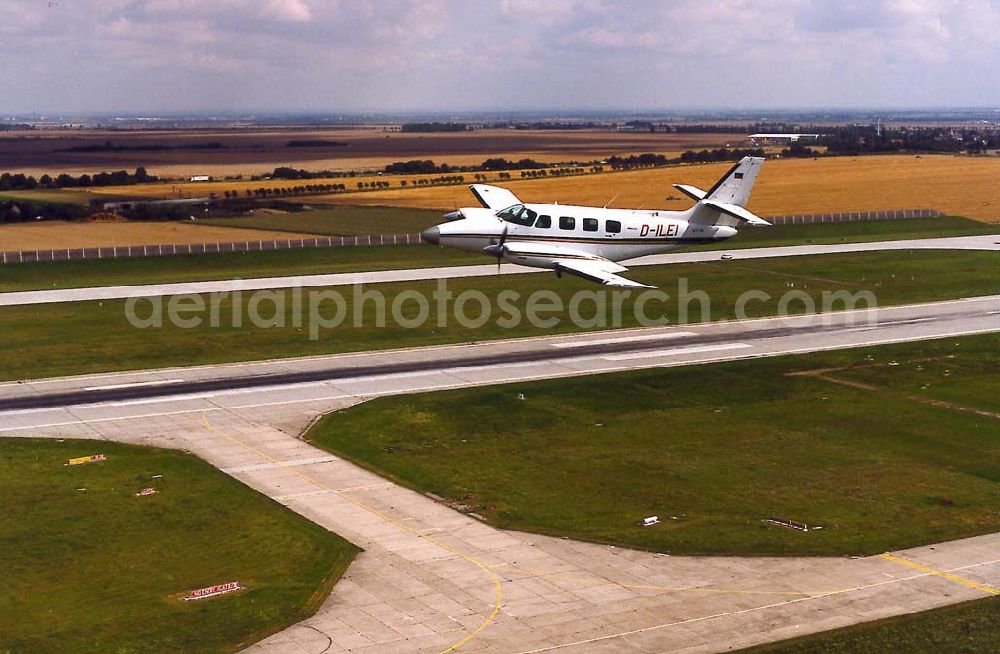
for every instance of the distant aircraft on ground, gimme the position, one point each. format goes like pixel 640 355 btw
pixel 587 241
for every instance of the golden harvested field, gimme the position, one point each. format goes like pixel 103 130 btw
pixel 963 186
pixel 179 154
pixel 56 235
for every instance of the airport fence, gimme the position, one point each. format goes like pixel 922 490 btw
pixel 853 216
pixel 129 251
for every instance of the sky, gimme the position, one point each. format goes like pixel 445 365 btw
pixel 442 55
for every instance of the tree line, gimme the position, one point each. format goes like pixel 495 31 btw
pixel 867 139
pixel 13 211
pixel 20 181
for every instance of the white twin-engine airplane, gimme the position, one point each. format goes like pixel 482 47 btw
pixel 587 241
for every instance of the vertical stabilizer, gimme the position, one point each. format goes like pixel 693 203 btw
pixel 734 187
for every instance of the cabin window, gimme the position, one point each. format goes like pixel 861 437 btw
pixel 544 222
pixel 590 224
pixel 567 222
pixel 518 214
pixel 613 227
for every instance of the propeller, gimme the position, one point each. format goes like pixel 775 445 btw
pixel 499 248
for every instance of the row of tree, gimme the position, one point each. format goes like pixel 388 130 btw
pixel 719 154
pixel 645 160
pixel 431 181
pixel 551 172
pixel 265 192
pixel 20 181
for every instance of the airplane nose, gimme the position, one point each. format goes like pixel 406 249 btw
pixel 431 235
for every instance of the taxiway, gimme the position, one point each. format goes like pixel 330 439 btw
pixel 18 298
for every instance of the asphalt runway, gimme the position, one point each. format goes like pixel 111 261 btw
pixel 370 374
pixel 433 579
pixel 986 242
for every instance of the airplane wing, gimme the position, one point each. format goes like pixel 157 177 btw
pixel 601 271
pixel 493 197
pixel 573 262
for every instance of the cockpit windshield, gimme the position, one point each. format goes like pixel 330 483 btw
pixel 518 214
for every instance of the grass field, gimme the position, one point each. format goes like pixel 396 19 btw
pixel 83 337
pixel 227 265
pixel 68 274
pixel 876 230
pixel 49 196
pixel 961 186
pixel 714 450
pixel 101 570
pixel 966 628
pixel 339 221
pixel 52 235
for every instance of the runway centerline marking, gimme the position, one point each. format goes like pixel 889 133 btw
pixel 139 384
pixel 625 339
pixel 677 351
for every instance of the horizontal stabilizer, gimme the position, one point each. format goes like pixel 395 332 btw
pixel 737 212
pixel 692 192
pixel 494 197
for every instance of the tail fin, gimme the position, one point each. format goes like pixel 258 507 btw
pixel 735 185
pixel 724 203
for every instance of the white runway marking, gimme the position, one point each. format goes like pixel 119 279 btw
pixel 625 339
pixel 155 382
pixel 676 351
pixel 280 464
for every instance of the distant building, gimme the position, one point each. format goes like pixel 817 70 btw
pixel 126 205
pixel 780 138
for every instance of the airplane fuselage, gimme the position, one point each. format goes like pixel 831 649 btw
pixel 589 242
pixel 556 230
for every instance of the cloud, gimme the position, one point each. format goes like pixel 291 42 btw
pixel 295 11
pixel 449 54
